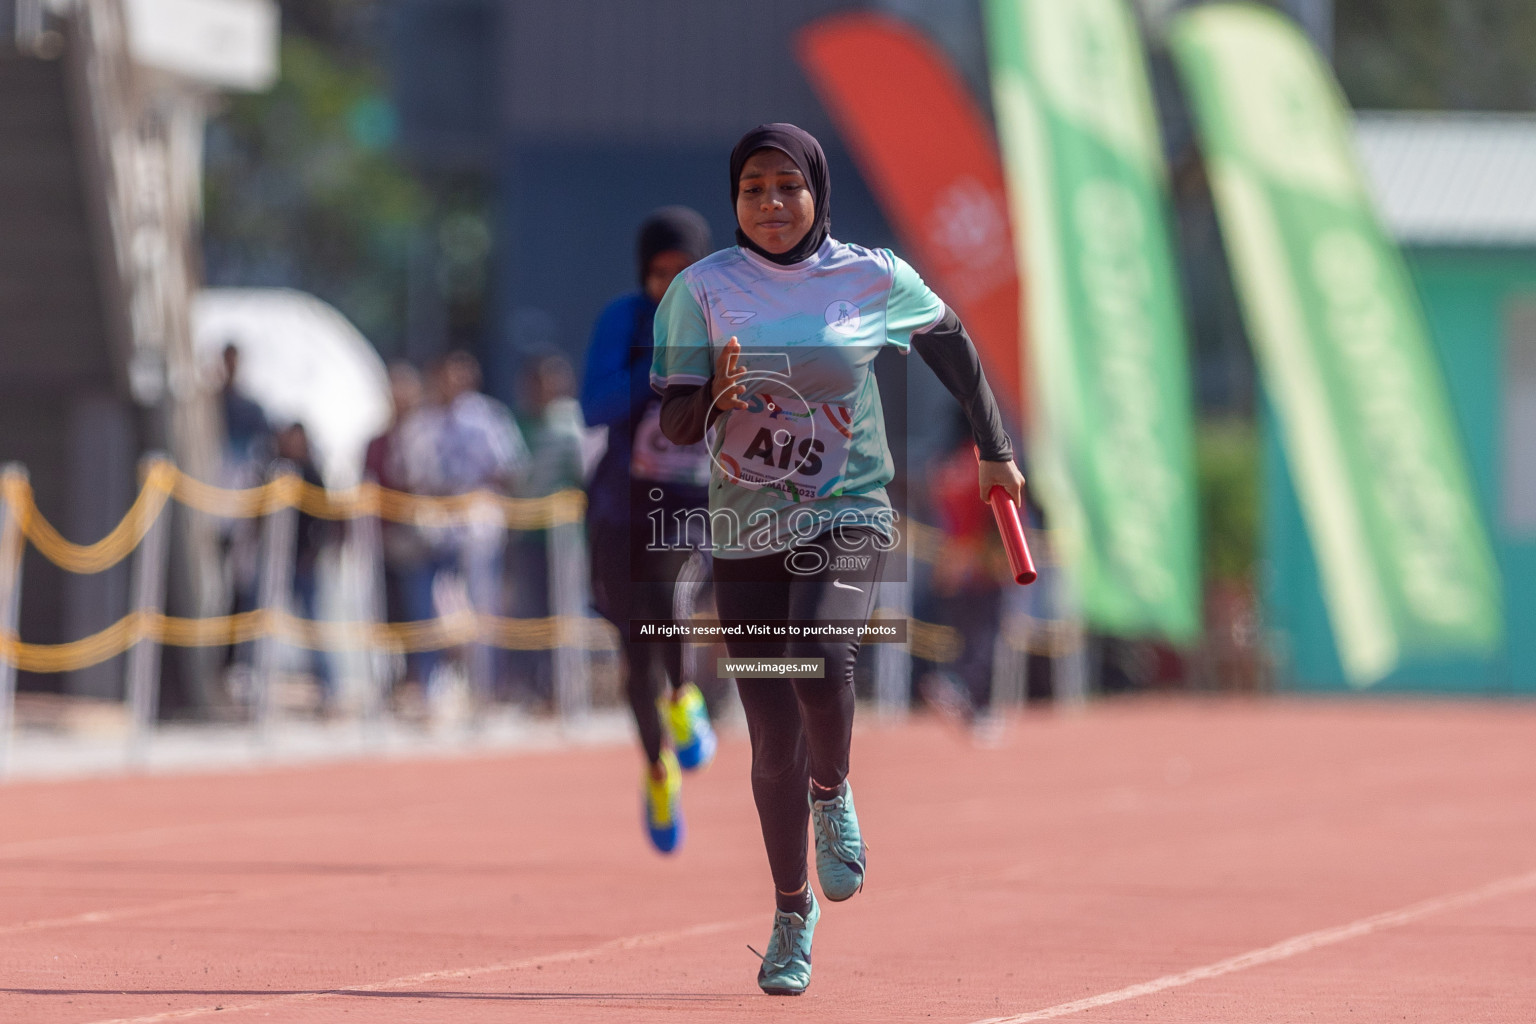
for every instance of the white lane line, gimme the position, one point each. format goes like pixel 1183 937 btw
pixel 165 835
pixel 454 974
pixel 1012 871
pixel 1282 950
pixel 120 913
pixel 209 899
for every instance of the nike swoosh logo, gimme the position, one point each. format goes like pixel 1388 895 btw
pixel 845 586
pixel 737 317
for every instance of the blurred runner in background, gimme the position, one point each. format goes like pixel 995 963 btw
pixel 628 579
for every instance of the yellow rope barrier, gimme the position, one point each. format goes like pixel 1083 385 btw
pixel 930 642
pixel 369 499
pixel 78 654
pixel 111 549
pixel 934 643
pixel 218 631
pixel 219 501
pixel 163 482
pixel 1050 638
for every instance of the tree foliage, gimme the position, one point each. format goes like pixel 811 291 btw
pixel 1228 463
pixel 304 187
pixel 1437 54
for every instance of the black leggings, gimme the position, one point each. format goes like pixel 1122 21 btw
pixel 800 728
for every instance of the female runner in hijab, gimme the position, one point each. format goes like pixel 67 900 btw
pixel 767 347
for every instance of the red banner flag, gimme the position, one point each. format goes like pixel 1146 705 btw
pixel 931 158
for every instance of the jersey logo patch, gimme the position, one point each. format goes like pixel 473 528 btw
pixel 737 317
pixel 843 316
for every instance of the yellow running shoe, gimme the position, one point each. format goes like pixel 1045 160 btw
pixel 664 805
pixel 692 735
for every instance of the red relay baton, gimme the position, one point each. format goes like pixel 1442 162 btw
pixel 1007 514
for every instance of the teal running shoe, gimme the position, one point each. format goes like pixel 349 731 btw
pixel 840 855
pixel 692 736
pixel 664 805
pixel 786 969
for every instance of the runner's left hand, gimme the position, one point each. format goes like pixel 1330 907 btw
pixel 1000 474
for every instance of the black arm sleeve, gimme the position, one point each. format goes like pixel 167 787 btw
pixel 686 412
pixel 948 350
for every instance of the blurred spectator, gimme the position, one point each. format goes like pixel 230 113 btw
pixel 247 433
pixel 312 536
pixel 556 440
pixel 459 442
pixel 247 448
pixel 405 551
pixel 405 397
pixel 558 434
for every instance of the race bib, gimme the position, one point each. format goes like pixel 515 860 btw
pixel 789 445
pixel 653 457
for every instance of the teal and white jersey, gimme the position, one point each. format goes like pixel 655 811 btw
pixel 810 447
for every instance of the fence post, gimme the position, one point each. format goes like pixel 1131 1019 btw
pixel 279 535
pixel 1009 664
pixel 1070 674
pixel 567 552
pixel 484 554
pixel 11 550
pixel 1074 663
pixel 149 569
pixel 368 552
pixel 29 24
pixel 893 662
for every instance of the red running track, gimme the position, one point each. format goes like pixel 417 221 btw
pixel 1228 861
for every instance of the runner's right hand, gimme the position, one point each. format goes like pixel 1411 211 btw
pixel 728 374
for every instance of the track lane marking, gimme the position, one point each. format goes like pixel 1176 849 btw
pixel 160 835
pixel 121 913
pixel 1008 872
pixel 452 974
pixel 1282 950
pixel 207 899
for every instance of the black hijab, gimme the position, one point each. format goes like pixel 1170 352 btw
pixel 669 229
pixel 801 147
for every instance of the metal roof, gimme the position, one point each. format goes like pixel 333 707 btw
pixel 1452 178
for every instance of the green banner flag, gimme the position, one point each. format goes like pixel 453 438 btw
pixel 1342 346
pixel 1110 445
